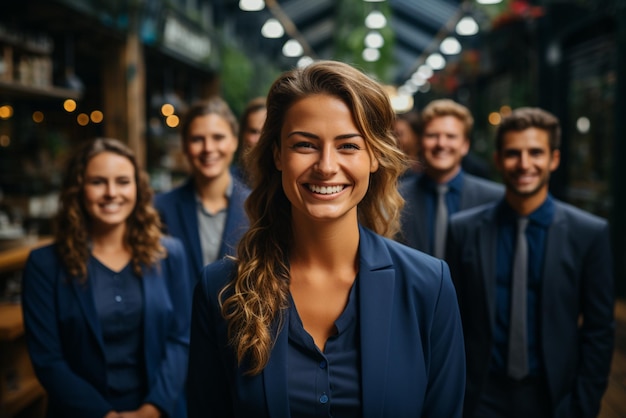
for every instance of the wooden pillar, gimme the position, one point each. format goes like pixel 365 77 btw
pixel 136 92
pixel 124 91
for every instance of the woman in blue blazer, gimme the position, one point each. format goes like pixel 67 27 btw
pixel 319 314
pixel 105 309
pixel 206 213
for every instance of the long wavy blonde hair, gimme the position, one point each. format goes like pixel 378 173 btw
pixel 72 223
pixel 254 301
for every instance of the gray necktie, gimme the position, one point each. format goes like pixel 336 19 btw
pixel 441 221
pixel 518 342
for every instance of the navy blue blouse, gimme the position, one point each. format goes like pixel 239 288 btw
pixel 118 298
pixel 325 384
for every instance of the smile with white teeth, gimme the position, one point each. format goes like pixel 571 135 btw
pixel 325 189
pixel 110 206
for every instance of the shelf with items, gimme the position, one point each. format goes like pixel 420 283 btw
pixel 17 90
pixel 26 66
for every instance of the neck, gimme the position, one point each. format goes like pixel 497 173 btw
pixel 330 246
pixel 108 239
pixel 212 188
pixel 441 177
pixel 525 205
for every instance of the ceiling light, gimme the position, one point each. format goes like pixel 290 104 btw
pixel 304 61
pixel 292 48
pixel 375 20
pixel 488 1
pixel 374 40
pixel 425 71
pixel 467 26
pixel 417 80
pixel 373 1
pixel 401 102
pixel 272 29
pixel 251 5
pixel 436 61
pixel 450 46
pixel 371 54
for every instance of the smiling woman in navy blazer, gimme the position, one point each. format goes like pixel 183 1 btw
pixel 206 213
pixel 105 309
pixel 320 315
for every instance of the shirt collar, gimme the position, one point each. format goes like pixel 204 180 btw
pixel 455 184
pixel 542 216
pixel 228 193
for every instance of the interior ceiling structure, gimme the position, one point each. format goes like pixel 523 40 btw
pixel 416 24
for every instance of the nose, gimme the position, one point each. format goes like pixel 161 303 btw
pixel 327 163
pixel 111 189
pixel 207 145
pixel 524 160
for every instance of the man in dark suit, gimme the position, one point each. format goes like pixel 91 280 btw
pixel 443 142
pixel 539 332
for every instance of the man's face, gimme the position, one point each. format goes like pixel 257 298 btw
pixel 526 161
pixel 443 146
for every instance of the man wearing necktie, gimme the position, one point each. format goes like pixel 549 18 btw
pixel 534 281
pixel 442 188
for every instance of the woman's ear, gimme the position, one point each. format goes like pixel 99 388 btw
pixel 277 162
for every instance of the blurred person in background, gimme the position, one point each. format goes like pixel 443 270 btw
pixel 106 311
pixel 407 128
pixel 444 187
pixel 250 126
pixel 320 314
pixel 206 212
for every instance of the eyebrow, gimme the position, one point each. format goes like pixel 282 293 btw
pixel 310 135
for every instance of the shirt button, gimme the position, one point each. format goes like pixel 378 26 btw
pixel 324 398
pixel 322 364
pixel 118 298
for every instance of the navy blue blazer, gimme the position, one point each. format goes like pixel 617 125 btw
pixel 412 358
pixel 65 341
pixel 577 284
pixel 475 191
pixel 178 212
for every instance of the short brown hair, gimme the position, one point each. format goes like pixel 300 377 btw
pixel 446 107
pixel 524 118
pixel 213 106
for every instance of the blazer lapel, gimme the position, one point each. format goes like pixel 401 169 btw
pixel 236 221
pixel 376 284
pixel 487 244
pixel 154 293
pixel 275 376
pixel 189 220
pixel 554 251
pixel 421 221
pixel 84 295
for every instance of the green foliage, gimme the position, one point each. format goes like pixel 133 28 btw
pixel 349 39
pixel 244 76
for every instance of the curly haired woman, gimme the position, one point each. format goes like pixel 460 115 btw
pixel 106 310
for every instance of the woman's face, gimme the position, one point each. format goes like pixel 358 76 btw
pixel 253 127
pixel 210 146
pixel 324 160
pixel 109 190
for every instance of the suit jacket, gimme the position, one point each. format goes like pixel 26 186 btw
pixel 475 191
pixel 412 361
pixel 577 284
pixel 65 341
pixel 178 212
